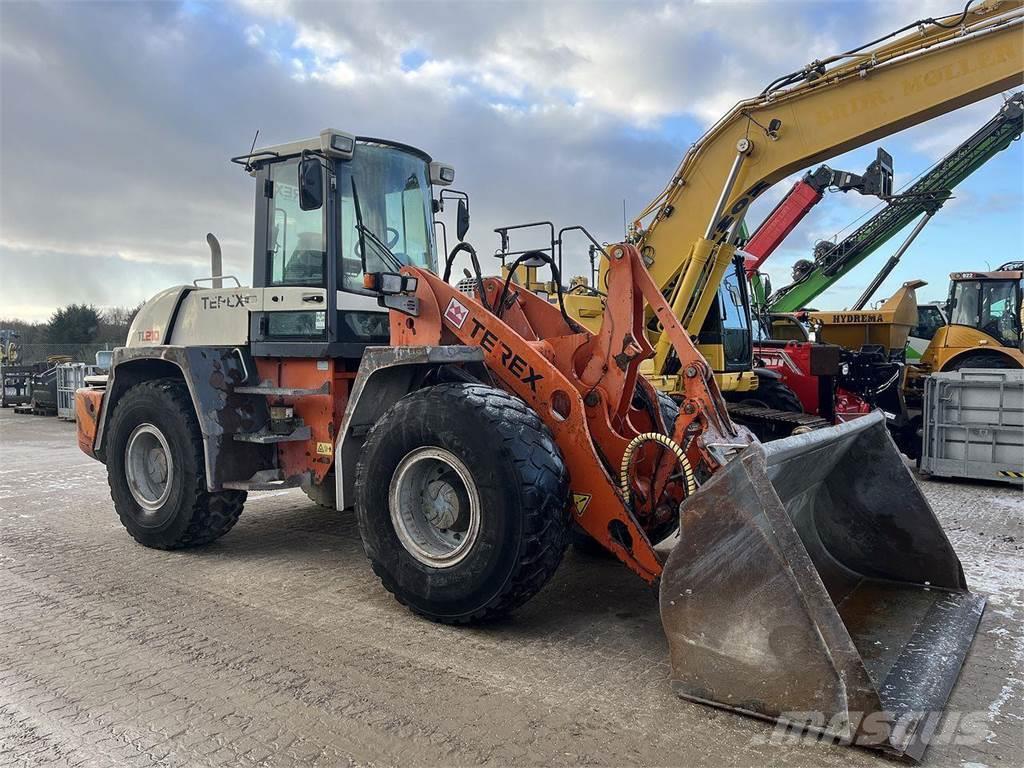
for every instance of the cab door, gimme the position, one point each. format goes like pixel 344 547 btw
pixel 293 265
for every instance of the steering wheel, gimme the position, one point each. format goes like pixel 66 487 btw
pixel 393 236
pixel 993 328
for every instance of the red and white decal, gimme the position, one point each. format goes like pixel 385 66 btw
pixel 456 313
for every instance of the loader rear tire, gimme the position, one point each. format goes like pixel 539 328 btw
pixel 462 502
pixel 154 425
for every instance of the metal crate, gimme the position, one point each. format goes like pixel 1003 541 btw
pixel 70 377
pixel 974 425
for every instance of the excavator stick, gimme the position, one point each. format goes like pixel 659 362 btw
pixel 813 585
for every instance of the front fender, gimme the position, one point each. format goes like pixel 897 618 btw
pixel 386 374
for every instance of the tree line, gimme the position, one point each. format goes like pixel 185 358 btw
pixel 76 324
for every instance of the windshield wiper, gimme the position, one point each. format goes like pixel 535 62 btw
pixel 364 232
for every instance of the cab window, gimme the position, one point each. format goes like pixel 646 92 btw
pixel 991 306
pixel 392 188
pixel 929 320
pixel 297 243
pixel 736 341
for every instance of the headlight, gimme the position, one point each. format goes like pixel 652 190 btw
pixel 337 143
pixel 441 174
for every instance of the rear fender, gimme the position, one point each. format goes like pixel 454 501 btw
pixel 386 374
pixel 211 374
pixel 1013 356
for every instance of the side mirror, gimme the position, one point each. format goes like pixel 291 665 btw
pixel 462 221
pixel 311 184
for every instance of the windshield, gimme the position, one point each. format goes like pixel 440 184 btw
pixel 991 306
pixel 393 191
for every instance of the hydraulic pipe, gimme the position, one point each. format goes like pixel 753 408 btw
pixel 890 265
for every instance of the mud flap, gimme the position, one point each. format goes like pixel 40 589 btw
pixel 813 585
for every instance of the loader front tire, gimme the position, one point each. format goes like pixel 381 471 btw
pixel 157 473
pixel 461 496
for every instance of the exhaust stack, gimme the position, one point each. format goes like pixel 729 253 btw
pixel 216 264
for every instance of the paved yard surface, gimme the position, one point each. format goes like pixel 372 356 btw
pixel 277 646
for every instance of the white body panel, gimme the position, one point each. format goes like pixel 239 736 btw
pixel 220 316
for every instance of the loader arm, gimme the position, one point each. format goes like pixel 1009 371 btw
pixel 828 108
pixel 583 386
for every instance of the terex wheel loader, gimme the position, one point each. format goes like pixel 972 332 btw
pixel 470 430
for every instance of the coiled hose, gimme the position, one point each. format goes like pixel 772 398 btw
pixel 668 442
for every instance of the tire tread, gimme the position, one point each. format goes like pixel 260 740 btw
pixel 212 513
pixel 526 443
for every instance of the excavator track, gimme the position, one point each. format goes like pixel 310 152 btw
pixel 755 415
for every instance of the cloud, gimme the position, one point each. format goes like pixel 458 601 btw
pixel 116 120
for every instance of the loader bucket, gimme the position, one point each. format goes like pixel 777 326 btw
pixel 813 585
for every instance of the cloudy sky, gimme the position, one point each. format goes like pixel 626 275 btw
pixel 117 121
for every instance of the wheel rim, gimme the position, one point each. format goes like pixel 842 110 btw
pixel 435 507
pixel 149 468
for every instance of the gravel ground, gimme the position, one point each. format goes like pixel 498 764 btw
pixel 276 645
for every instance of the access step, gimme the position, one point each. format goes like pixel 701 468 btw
pixel 266 389
pixel 265 437
pixel 264 480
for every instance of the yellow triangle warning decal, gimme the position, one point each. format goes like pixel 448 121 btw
pixel 581 500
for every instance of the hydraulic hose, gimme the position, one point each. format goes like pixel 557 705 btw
pixel 668 442
pixel 478 274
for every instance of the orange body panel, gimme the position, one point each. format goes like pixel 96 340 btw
pixel 88 403
pixel 322 413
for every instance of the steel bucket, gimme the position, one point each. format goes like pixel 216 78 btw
pixel 813 585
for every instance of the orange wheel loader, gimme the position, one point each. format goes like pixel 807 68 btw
pixel 469 431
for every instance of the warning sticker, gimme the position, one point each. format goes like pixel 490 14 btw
pixel 580 500
pixel 324 449
pixel 456 313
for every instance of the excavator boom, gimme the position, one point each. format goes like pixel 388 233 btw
pixel 926 69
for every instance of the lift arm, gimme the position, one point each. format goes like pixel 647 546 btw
pixel 926 196
pixel 827 108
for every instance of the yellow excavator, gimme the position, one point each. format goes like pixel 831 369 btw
pixel 687 234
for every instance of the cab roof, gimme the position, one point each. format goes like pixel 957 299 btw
pixel 1014 274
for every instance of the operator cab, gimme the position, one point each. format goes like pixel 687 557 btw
pixel 990 302
pixel 329 211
